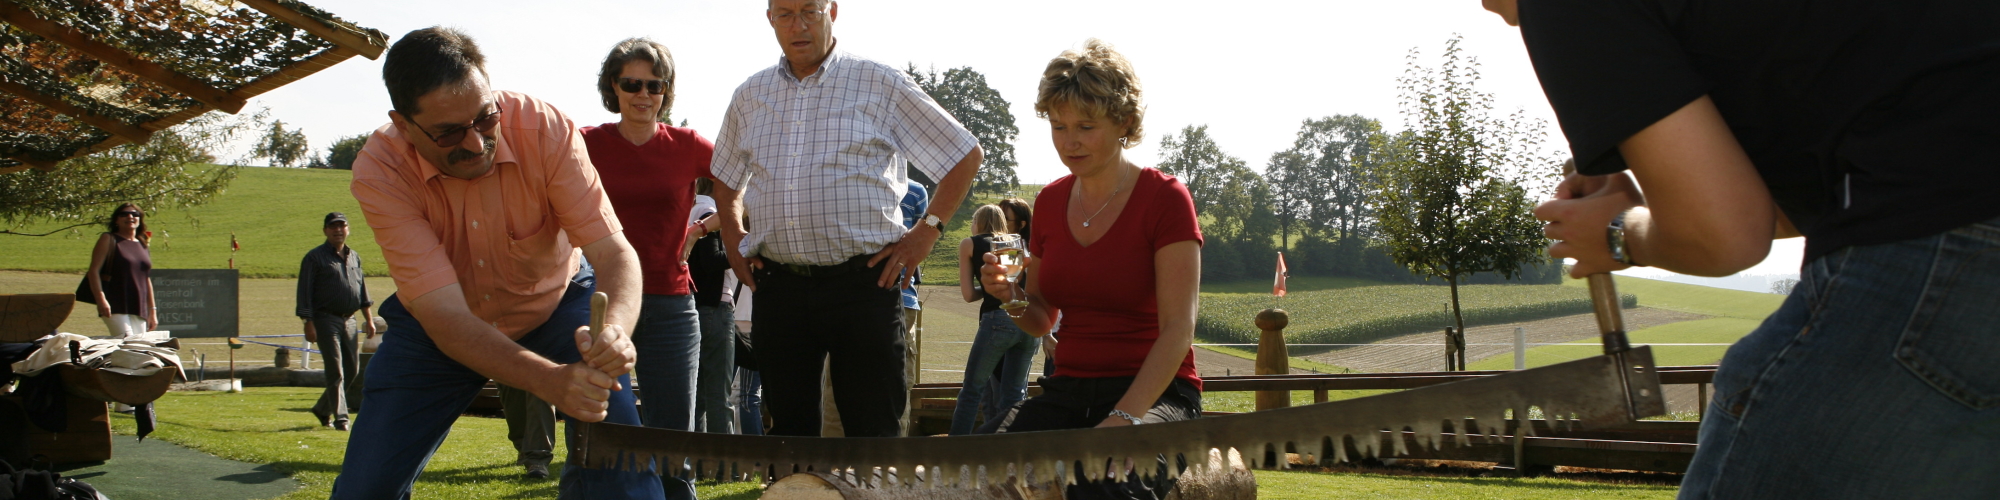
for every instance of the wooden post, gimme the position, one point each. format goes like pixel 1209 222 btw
pixel 1272 357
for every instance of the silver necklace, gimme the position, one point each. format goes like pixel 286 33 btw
pixel 1107 200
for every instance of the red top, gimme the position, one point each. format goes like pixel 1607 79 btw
pixel 651 186
pixel 1106 291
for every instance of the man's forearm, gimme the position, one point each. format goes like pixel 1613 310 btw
pixel 955 185
pixel 618 277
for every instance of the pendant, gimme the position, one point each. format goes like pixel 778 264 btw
pixel 1086 223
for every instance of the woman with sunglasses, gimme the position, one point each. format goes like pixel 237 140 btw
pixel 120 275
pixel 648 169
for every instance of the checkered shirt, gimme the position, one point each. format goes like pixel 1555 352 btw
pixel 820 160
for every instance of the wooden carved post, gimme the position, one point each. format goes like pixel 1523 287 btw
pixel 1272 357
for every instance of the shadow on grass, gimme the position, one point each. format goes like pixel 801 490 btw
pixel 262 474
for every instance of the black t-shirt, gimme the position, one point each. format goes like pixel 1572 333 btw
pixel 706 265
pixel 1871 121
pixel 982 243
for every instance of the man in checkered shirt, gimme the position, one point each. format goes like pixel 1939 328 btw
pixel 816 146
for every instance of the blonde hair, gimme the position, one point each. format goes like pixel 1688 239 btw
pixel 1099 81
pixel 989 219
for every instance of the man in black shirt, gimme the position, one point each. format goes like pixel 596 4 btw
pixel 331 289
pixel 1865 126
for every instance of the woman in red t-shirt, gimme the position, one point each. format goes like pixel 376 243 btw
pixel 1118 251
pixel 648 170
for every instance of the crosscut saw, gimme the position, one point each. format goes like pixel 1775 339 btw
pixel 1613 389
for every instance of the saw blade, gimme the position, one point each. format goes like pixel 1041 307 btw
pixel 1595 392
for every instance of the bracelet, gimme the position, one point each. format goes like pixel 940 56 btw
pixel 1127 416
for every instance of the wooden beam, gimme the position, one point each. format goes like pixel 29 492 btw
pixel 350 39
pixel 21 18
pixel 105 123
pixel 27 163
pixel 296 71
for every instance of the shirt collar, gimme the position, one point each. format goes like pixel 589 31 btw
pixel 832 61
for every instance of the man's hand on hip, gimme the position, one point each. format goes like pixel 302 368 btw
pixel 611 355
pixel 742 266
pixel 905 254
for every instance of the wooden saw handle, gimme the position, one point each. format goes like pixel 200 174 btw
pixel 1604 301
pixel 598 303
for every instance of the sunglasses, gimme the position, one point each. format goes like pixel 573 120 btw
pixel 135 215
pixel 632 86
pixel 484 124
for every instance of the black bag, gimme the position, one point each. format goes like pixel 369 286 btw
pixel 41 483
pixel 746 358
pixel 84 295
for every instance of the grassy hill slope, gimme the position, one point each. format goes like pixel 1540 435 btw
pixel 1735 313
pixel 275 213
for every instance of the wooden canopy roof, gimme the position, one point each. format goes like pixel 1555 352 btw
pixel 82 76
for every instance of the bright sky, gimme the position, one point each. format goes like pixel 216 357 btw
pixel 1250 70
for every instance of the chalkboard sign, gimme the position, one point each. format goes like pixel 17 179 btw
pixel 196 302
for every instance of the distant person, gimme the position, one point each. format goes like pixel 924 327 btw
pixel 822 176
pixel 531 427
pixel 916 202
pixel 749 388
pixel 998 344
pixel 1020 220
pixel 331 290
pixel 480 200
pixel 1702 130
pixel 120 278
pixel 1123 266
pixel 714 410
pixel 649 169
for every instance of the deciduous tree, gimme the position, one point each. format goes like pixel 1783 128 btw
pixel 965 94
pixel 1454 192
pixel 283 147
pixel 169 171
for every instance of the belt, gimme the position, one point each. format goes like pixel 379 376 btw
pixel 856 263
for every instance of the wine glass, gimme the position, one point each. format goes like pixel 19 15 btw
pixel 1013 254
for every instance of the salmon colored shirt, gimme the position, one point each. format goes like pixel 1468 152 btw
pixel 508 237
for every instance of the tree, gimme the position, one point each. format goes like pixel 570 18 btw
pixel 1199 163
pixel 166 172
pixel 1454 193
pixel 964 93
pixel 1784 286
pixel 283 147
pixel 1236 201
pixel 344 150
pixel 1322 180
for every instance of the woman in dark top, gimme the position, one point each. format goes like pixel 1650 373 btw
pixel 1122 261
pixel 1865 126
pixel 120 274
pixel 999 346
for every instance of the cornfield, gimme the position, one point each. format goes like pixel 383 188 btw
pixel 1368 314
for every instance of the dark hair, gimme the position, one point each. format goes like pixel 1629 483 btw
pixel 636 49
pixel 426 59
pixel 704 186
pixel 111 226
pixel 1019 211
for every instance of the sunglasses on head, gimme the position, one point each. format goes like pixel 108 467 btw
pixel 632 85
pixel 484 124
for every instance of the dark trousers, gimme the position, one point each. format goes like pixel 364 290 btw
pixel 531 425
pixel 1078 403
pixel 337 351
pixel 845 319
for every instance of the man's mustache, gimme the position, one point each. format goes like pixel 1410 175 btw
pixel 462 154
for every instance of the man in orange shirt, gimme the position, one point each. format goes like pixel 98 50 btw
pixel 479 200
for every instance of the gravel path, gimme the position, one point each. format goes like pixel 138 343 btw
pixel 1400 358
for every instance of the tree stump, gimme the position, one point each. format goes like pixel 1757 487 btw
pixel 1220 479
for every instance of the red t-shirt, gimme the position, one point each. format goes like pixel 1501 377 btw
pixel 1106 292
pixel 651 187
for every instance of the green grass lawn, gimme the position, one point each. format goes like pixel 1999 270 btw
pixel 275 213
pixel 1735 313
pixel 1369 313
pixel 1294 284
pixel 1298 485
pixel 1696 299
pixel 274 426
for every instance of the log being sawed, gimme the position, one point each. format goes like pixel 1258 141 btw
pixel 1220 479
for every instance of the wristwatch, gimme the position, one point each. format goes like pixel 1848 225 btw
pixel 1614 236
pixel 934 222
pixel 1127 416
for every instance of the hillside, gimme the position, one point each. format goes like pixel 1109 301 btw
pixel 274 212
pixel 1733 314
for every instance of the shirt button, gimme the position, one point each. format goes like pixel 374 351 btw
pixel 475 224
pixel 489 296
pixel 791 223
pixel 482 262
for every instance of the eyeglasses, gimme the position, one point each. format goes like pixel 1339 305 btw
pixel 135 215
pixel 632 85
pixel 810 16
pixel 484 124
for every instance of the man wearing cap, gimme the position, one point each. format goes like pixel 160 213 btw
pixel 330 291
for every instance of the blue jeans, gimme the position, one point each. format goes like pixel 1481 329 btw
pixel 415 392
pixel 712 412
pixel 749 403
pixel 1878 378
pixel 667 338
pixel 997 340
